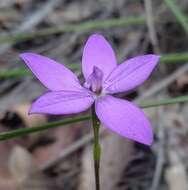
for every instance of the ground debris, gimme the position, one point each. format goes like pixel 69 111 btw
pixel 125 165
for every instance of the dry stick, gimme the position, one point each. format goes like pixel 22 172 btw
pixel 165 82
pixel 160 153
pixel 35 18
pixel 71 149
pixel 152 31
pixel 32 20
pixel 158 87
pixel 151 25
pixel 88 138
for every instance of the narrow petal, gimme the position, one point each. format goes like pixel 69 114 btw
pixel 131 73
pixel 62 102
pixel 98 52
pixel 124 118
pixel 53 75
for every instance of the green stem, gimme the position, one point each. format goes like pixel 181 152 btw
pixel 96 147
pixel 81 27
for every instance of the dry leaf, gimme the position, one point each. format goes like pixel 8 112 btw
pixel 26 173
pixel 175 174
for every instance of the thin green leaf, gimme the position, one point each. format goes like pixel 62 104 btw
pixel 163 102
pixel 14 73
pixel 20 72
pixel 24 131
pixel 83 27
pixel 174 58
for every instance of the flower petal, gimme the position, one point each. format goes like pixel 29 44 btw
pixel 124 118
pixel 53 75
pixel 131 73
pixel 62 102
pixel 98 52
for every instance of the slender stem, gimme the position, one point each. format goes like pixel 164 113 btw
pixel 96 147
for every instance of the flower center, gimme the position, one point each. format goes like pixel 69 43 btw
pixel 94 81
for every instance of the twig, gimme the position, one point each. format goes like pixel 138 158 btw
pixel 71 149
pixel 160 153
pixel 165 82
pixel 35 18
pixel 32 20
pixel 151 25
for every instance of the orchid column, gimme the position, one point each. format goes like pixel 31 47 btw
pixel 103 78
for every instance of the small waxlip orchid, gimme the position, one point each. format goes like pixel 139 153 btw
pixel 103 78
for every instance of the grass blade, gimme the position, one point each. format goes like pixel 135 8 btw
pixel 163 102
pixel 20 72
pixel 81 27
pixel 25 131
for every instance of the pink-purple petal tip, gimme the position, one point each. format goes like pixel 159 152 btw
pixel 53 75
pixel 125 119
pixel 130 74
pixel 98 53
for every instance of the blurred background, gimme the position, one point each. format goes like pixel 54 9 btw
pixel 61 158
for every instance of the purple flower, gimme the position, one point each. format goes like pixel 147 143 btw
pixel 103 78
